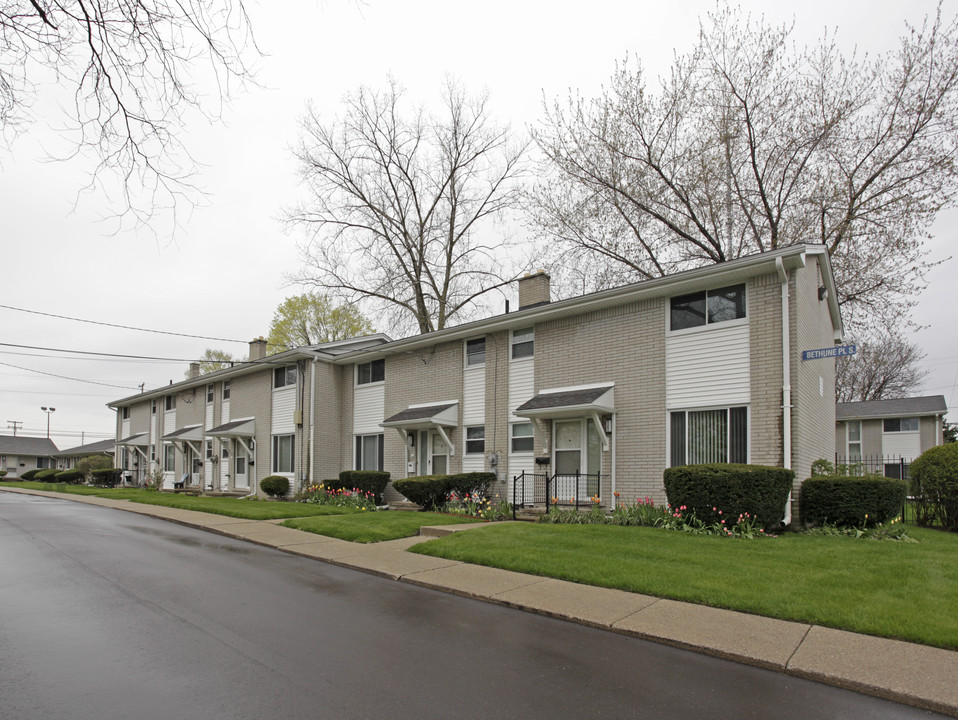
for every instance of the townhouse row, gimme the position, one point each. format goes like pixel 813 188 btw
pixel 612 387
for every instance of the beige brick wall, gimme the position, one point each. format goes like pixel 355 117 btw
pixel 928 431
pixel 329 422
pixel 871 437
pixel 765 390
pixel 626 346
pixel 813 381
pixel 250 396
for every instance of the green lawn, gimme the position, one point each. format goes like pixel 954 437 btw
pixel 891 589
pixel 232 507
pixel 368 527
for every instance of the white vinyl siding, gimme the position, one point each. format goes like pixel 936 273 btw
pixel 284 405
pixel 225 412
pixel 521 384
pixel 708 366
pixel 209 416
pixel 474 396
pixel 906 445
pixel 125 429
pixel 369 404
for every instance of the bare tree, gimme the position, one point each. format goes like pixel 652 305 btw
pixel 885 367
pixel 134 69
pixel 402 202
pixel 752 144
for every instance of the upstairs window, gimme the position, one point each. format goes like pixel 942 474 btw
pixel 707 307
pixel 226 389
pixel 153 408
pixel 523 343
pixel 125 413
pixel 209 393
pixel 284 376
pixel 371 372
pixel 893 425
pixel 171 402
pixel 475 352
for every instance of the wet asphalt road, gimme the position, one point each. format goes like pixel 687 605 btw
pixel 106 614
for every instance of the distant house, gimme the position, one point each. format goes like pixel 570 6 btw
pixel 886 435
pixel 68 458
pixel 19 454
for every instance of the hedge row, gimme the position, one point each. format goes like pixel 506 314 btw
pixel 851 501
pixel 934 485
pixel 373 481
pixel 433 490
pixel 106 477
pixel 759 490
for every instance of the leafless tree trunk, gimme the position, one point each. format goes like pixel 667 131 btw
pixel 750 145
pixel 402 203
pixel 133 68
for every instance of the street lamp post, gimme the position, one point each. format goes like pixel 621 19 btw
pixel 48 411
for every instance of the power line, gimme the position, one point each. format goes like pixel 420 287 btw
pixel 88 359
pixel 64 377
pixel 101 354
pixel 123 327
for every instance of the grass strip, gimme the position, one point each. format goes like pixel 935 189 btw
pixel 890 589
pixel 370 527
pixel 230 507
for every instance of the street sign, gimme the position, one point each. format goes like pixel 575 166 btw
pixel 836 351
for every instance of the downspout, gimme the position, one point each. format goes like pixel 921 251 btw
pixel 312 421
pixel 613 460
pixel 786 385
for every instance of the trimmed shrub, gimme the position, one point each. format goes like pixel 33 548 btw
pixel 851 501
pixel 274 485
pixel 373 481
pixel 759 490
pixel 46 475
pixel 934 484
pixel 427 490
pixel 73 477
pixel 3 473
pixel 105 477
pixel 29 475
pixel 473 483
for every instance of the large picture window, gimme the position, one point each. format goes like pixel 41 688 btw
pixel 891 425
pixel 371 372
pixel 283 453
pixel 707 307
pixel 709 436
pixel 369 452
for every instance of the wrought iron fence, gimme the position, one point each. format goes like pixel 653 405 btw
pixel 893 467
pixel 531 489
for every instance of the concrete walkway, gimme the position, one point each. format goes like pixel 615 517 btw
pixel 912 674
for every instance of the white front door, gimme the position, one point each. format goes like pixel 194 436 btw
pixel 241 468
pixel 433 453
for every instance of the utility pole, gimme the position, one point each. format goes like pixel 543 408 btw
pixel 48 411
pixel 15 424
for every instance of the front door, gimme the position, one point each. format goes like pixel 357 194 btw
pixel 241 468
pixel 578 450
pixel 433 453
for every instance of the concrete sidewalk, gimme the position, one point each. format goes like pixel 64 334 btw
pixel 912 674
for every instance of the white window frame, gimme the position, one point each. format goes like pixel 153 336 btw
pixel 513 344
pixel 284 373
pixel 467 440
pixel 728 437
pixel 370 382
pixel 169 457
pixel 468 357
pixel 169 403
pixel 210 393
pixel 359 451
pixel 513 437
pixel 849 442
pixel 226 389
pixel 900 420
pixel 274 462
pixel 707 325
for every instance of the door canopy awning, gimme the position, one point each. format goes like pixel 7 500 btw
pixel 235 429
pixel 191 433
pixel 574 402
pixel 136 440
pixel 425 417
pixel 586 401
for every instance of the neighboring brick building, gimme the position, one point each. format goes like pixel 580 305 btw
pixel 610 388
pixel 886 435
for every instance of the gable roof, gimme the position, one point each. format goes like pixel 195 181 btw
pixel 103 446
pixel 19 445
pixel 900 407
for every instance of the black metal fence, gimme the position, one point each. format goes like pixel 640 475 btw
pixel 575 489
pixel 893 467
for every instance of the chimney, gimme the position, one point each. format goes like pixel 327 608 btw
pixel 194 370
pixel 257 348
pixel 534 289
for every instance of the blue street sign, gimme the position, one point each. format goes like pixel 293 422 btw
pixel 836 351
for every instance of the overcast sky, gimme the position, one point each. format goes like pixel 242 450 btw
pixel 223 274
